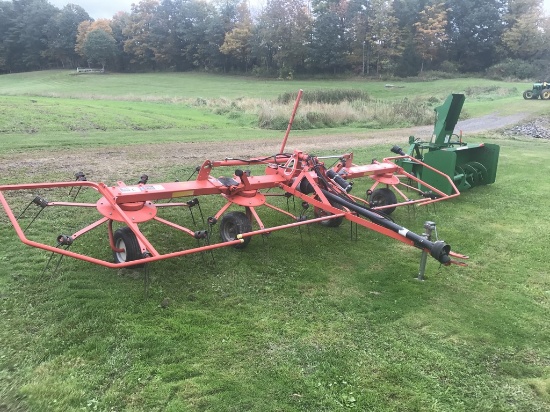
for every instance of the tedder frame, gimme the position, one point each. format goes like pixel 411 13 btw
pixel 297 174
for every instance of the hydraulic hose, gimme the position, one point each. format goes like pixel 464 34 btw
pixel 439 250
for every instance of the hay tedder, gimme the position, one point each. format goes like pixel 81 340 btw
pixel 466 164
pixel 323 191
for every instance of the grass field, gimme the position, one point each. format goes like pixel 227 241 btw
pixel 303 320
pixel 167 86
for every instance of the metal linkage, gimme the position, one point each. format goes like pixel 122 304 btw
pixel 429 227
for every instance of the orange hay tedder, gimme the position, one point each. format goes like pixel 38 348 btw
pixel 298 174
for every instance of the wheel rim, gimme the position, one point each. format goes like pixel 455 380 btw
pixel 318 212
pixel 230 230
pixel 234 224
pixel 122 254
pixel 381 199
pixel 378 200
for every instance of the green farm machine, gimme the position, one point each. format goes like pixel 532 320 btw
pixel 540 90
pixel 467 164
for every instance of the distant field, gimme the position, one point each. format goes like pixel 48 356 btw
pixel 158 86
pixel 310 319
pixel 106 109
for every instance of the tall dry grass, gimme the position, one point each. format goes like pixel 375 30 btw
pixel 318 109
pixel 371 114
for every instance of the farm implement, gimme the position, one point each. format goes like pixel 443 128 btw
pixel 324 192
pixel 466 164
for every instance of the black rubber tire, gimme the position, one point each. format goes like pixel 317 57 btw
pixel 545 94
pixel 528 94
pixel 233 224
pixel 125 239
pixel 318 212
pixel 383 197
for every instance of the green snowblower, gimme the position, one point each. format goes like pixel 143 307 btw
pixel 468 165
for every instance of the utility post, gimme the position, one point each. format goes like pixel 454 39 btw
pixel 364 57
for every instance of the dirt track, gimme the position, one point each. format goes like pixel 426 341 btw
pixel 104 164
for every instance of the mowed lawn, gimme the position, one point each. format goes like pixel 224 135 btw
pixel 302 320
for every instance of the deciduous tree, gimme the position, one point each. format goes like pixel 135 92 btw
pixel 99 47
pixel 475 32
pixel 430 31
pixel 237 42
pixel 7 22
pixel 526 36
pixel 139 43
pixel 61 33
pixel 85 28
pixel 383 39
pixel 284 33
pixel 118 24
pixel 26 36
pixel 330 45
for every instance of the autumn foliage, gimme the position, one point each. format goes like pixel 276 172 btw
pixel 283 38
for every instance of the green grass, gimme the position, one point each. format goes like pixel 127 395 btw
pixel 303 320
pixel 61 109
pixel 48 115
pixel 155 86
pixel 298 321
pixel 484 96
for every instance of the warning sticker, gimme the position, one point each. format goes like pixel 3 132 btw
pixel 183 193
pixel 151 187
pixel 130 189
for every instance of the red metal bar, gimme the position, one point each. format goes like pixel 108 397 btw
pixel 296 103
pixel 393 158
pixel 253 212
pixel 174 225
pixel 284 212
pixel 90 205
pixel 89 227
pixel 289 225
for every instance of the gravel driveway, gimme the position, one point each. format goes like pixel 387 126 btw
pixel 126 163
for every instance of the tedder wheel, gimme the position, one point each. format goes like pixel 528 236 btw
pixel 127 241
pixel 233 224
pixel 337 221
pixel 383 197
pixel 545 94
pixel 528 94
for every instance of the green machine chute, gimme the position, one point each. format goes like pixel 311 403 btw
pixel 468 164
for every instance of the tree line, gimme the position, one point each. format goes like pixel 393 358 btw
pixel 284 38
